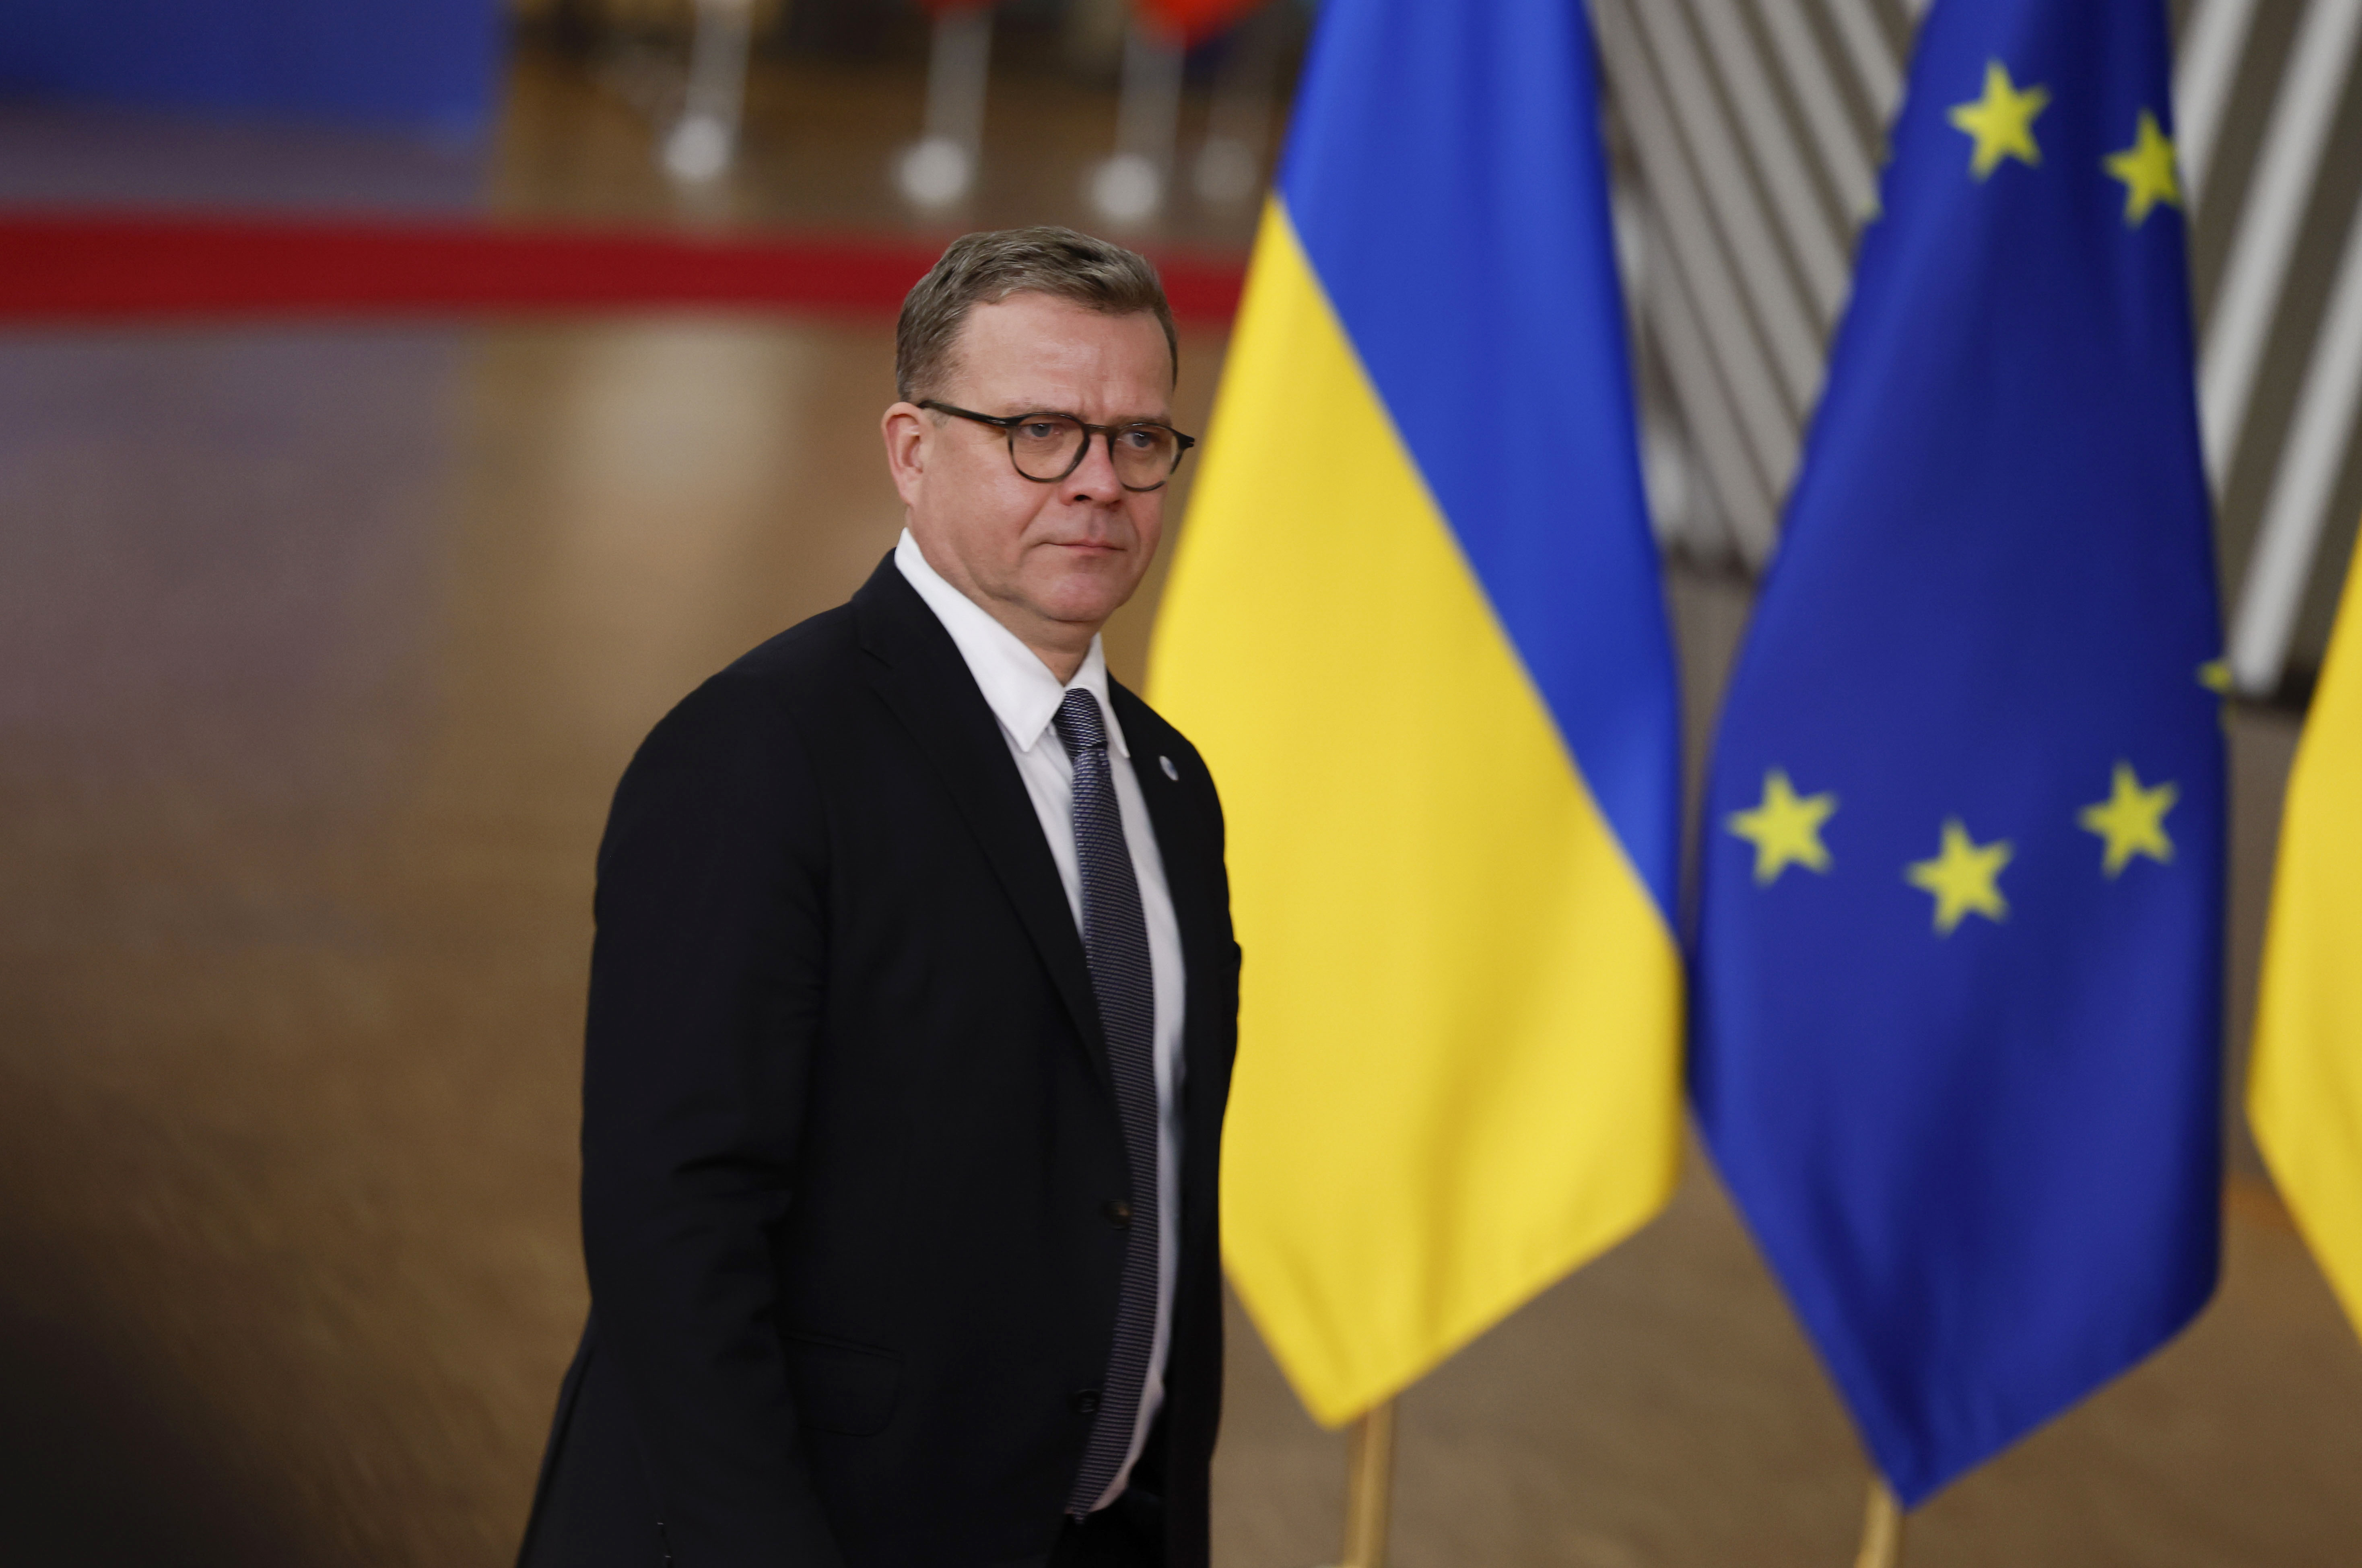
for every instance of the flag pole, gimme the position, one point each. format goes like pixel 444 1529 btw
pixel 940 168
pixel 704 140
pixel 1881 1528
pixel 1129 186
pixel 1369 1487
pixel 1228 169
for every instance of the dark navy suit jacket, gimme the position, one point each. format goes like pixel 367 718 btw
pixel 850 1149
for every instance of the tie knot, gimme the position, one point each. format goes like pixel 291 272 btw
pixel 1077 721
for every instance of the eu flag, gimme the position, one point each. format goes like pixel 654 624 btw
pixel 1957 987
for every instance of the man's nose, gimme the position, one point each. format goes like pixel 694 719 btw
pixel 1093 482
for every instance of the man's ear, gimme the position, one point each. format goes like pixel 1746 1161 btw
pixel 905 428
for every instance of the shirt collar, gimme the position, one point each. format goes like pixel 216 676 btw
pixel 1019 687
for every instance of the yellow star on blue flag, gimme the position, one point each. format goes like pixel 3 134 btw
pixel 1964 876
pixel 2000 121
pixel 2131 821
pixel 1784 828
pixel 2146 169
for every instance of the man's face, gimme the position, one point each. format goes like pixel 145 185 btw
pixel 1049 561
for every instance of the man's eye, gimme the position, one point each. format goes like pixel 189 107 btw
pixel 1039 430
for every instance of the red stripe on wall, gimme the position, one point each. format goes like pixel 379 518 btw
pixel 83 267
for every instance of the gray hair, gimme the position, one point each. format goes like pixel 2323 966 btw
pixel 987 267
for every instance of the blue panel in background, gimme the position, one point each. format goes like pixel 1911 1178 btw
pixel 427 64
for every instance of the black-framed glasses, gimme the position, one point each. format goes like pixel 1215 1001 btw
pixel 1046 447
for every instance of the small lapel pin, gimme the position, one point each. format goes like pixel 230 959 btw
pixel 1170 771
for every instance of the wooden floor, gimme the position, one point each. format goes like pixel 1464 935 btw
pixel 320 650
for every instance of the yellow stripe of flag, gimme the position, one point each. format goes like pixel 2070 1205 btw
pixel 2304 1080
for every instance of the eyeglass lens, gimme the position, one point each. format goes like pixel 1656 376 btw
pixel 1050 448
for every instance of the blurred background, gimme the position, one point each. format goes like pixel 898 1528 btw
pixel 332 603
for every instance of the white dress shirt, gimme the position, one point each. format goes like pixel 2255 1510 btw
pixel 1025 695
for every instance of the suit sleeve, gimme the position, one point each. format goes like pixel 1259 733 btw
pixel 706 990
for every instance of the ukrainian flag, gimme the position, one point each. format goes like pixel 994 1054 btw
pixel 1416 626
pixel 2304 1083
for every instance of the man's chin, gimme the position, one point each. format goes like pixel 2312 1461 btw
pixel 1088 593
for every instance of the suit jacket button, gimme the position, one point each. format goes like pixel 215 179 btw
pixel 1118 1211
pixel 1086 1401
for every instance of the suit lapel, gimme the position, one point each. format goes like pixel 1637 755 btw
pixel 927 684
pixel 1181 842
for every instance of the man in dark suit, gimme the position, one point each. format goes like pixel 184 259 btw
pixel 911 1014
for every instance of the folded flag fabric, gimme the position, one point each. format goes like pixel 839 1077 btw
pixel 2304 1079
pixel 1416 626
pixel 1958 961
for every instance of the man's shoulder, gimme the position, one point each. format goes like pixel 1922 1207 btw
pixel 841 650
pixel 759 700
pixel 811 654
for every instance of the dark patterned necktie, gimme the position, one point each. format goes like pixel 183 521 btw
pixel 1115 942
